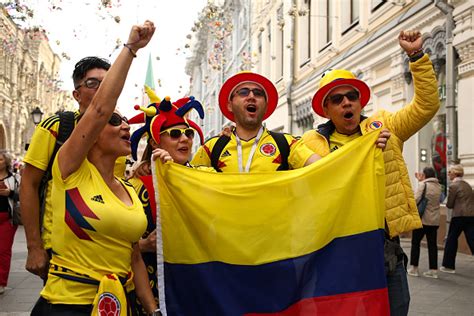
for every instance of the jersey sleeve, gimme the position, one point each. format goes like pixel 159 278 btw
pixel 136 183
pixel 299 153
pixel 74 178
pixel 202 157
pixel 120 167
pixel 42 143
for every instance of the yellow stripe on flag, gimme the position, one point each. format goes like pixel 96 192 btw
pixel 258 218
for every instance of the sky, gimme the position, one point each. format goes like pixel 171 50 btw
pixel 99 27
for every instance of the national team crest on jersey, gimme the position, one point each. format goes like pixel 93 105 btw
pixel 268 149
pixel 108 305
pixel 76 211
pixel 375 125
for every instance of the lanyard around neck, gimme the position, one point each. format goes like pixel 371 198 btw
pixel 252 151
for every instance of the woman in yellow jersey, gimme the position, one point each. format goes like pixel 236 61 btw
pixel 98 218
pixel 173 132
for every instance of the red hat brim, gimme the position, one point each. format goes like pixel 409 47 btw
pixel 322 93
pixel 232 82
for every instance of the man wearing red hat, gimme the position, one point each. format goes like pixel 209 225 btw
pixel 248 99
pixel 340 98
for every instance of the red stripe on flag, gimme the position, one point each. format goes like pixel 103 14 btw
pixel 373 302
pixel 148 183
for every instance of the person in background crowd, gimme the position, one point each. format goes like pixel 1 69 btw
pixel 340 98
pixel 8 186
pixel 430 219
pixel 461 200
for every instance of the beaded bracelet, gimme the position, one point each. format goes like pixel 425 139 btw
pixel 416 52
pixel 134 53
pixel 416 55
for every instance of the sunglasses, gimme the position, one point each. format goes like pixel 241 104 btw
pixel 117 119
pixel 91 83
pixel 246 91
pixel 177 132
pixel 337 98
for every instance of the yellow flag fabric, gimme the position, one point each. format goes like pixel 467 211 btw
pixel 231 243
pixel 287 213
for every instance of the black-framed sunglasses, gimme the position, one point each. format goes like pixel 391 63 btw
pixel 246 91
pixel 117 119
pixel 91 83
pixel 337 98
pixel 176 133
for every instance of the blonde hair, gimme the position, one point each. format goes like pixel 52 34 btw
pixel 458 170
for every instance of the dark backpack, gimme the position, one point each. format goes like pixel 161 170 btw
pixel 280 141
pixel 66 126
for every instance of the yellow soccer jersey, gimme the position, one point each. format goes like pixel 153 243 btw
pixel 39 152
pixel 337 140
pixel 266 158
pixel 93 231
pixel 120 166
pixel 38 155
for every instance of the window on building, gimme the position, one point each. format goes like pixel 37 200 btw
pixel 350 17
pixel 268 53
pixel 377 4
pixel 305 32
pixel 269 31
pixel 279 44
pixel 260 43
pixel 354 11
pixel 326 20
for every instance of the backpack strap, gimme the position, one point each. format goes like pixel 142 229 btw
pixel 217 150
pixel 280 141
pixel 283 147
pixel 66 125
pixel 424 190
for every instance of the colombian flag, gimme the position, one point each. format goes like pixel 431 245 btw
pixel 300 242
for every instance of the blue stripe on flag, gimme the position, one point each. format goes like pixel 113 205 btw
pixel 347 264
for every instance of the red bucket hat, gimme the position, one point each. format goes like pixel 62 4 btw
pixel 229 86
pixel 336 78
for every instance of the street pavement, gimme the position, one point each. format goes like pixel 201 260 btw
pixel 451 294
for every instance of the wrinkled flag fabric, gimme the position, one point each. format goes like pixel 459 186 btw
pixel 300 242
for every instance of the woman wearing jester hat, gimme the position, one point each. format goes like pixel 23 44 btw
pixel 168 131
pixel 98 218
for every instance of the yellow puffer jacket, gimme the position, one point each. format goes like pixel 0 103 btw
pixel 400 207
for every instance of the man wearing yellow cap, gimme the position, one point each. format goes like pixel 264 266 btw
pixel 248 99
pixel 340 98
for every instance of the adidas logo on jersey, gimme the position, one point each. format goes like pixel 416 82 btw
pixel 225 154
pixel 98 198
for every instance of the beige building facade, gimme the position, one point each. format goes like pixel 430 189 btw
pixel 28 79
pixel 293 42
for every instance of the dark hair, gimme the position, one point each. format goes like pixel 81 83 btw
pixel 86 64
pixel 429 172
